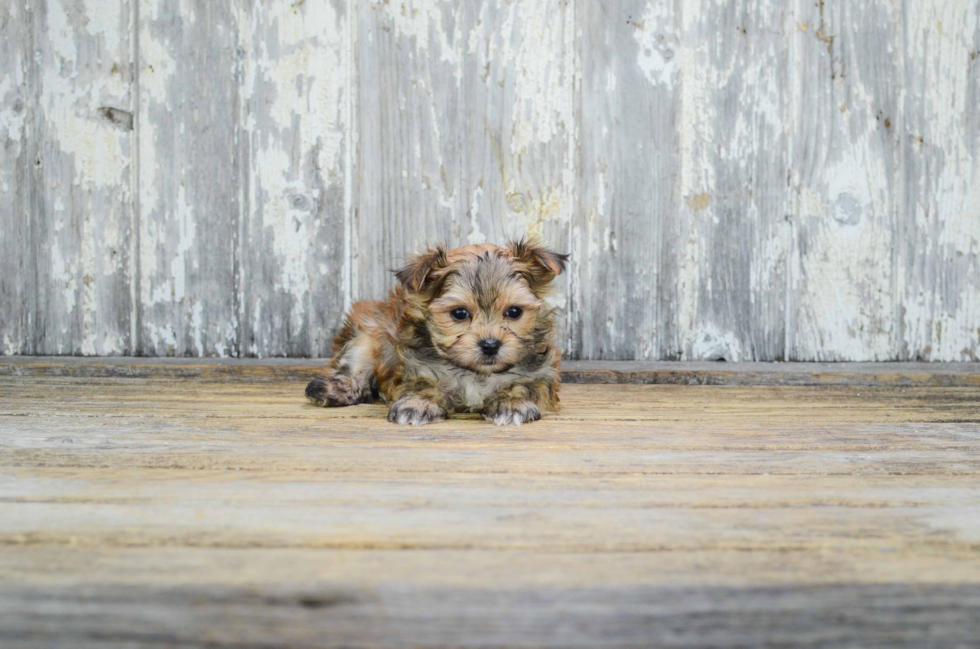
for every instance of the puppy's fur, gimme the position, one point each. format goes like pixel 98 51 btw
pixel 417 352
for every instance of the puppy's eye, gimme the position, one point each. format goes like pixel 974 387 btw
pixel 514 312
pixel 459 314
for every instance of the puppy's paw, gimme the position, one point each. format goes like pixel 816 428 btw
pixel 416 411
pixel 512 413
pixel 333 390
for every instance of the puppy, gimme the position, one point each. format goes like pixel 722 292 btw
pixel 466 330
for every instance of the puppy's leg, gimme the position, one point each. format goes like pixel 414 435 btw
pixel 518 404
pixel 421 402
pixel 350 378
pixel 347 384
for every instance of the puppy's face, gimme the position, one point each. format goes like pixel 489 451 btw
pixel 482 304
pixel 484 316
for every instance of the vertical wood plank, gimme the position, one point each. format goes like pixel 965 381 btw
pixel 16 263
pixel 847 180
pixel 292 296
pixel 81 203
pixel 465 122
pixel 189 176
pixel 625 230
pixel 939 228
pixel 517 134
pixel 516 121
pixel 734 240
pixel 407 103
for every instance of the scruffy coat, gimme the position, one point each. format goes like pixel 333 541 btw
pixel 411 350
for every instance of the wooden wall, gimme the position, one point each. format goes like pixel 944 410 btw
pixel 740 179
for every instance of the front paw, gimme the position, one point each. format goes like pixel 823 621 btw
pixel 415 411
pixel 512 412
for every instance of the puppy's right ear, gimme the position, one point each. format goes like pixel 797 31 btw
pixel 541 265
pixel 421 267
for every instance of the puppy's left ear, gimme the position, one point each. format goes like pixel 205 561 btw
pixel 542 265
pixel 419 271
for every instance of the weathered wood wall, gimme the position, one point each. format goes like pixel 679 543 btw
pixel 741 179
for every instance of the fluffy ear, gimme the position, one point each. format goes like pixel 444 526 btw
pixel 542 264
pixel 420 267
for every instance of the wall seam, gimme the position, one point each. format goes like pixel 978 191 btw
pixel 350 142
pixel 575 164
pixel 33 161
pixel 243 160
pixel 899 349
pixel 136 270
pixel 794 71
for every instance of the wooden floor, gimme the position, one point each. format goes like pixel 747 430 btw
pixel 224 511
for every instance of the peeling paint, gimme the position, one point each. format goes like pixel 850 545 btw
pixel 939 278
pixel 658 44
pixel 530 215
pixel 188 177
pixel 542 107
pixel 744 180
pixel 699 202
pixel 81 203
pixel 13 111
pixel 476 236
pixel 419 21
pixel 710 344
pixel 17 289
pixel 293 82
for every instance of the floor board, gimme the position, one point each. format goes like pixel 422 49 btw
pixel 155 510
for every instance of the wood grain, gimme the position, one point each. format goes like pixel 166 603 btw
pixel 407 130
pixel 295 84
pixel 625 235
pixel 464 119
pixel 734 239
pixel 81 184
pixel 204 512
pixel 619 372
pixel 190 173
pixel 939 232
pixel 847 172
pixel 353 615
pixel 17 279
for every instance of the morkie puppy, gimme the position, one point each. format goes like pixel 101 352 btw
pixel 466 330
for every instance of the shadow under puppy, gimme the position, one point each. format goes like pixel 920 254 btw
pixel 466 330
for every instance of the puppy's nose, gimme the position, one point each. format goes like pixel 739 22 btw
pixel 490 346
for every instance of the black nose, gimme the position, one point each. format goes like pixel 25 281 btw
pixel 490 346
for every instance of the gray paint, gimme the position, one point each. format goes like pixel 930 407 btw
pixel 16 267
pixel 626 235
pixel 70 616
pixel 747 180
pixel 847 167
pixel 293 177
pixel 81 202
pixel 464 126
pixel 190 170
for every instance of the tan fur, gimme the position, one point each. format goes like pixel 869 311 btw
pixel 410 351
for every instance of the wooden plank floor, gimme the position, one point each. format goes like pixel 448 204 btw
pixel 211 512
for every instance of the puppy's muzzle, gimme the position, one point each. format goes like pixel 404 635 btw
pixel 489 347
